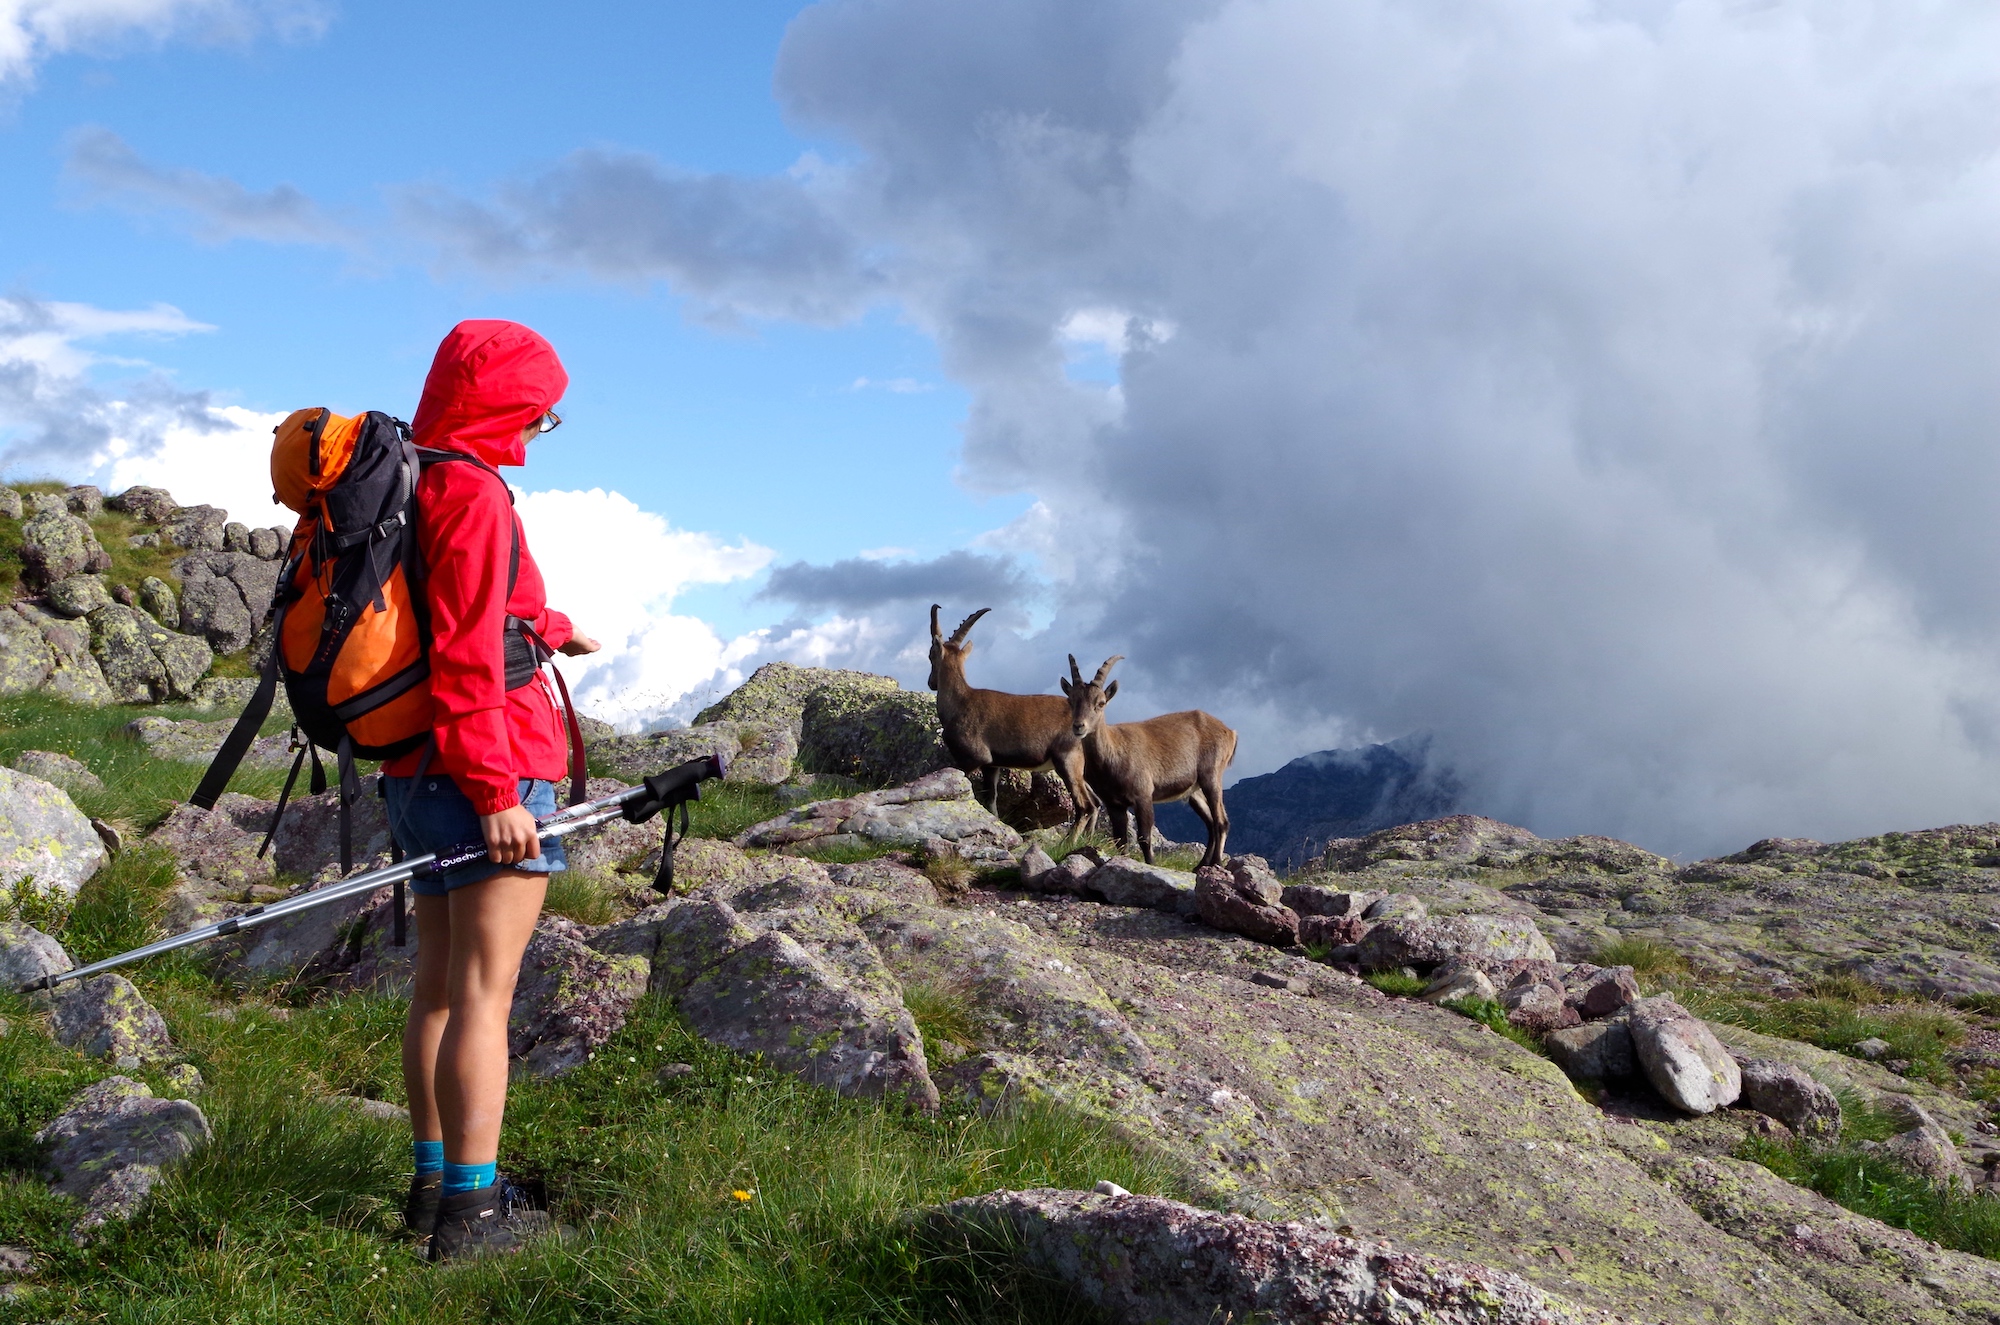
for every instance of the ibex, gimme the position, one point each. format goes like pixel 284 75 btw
pixel 988 730
pixel 1130 766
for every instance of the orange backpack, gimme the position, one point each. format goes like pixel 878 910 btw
pixel 351 629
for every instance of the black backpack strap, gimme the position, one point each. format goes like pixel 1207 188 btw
pixel 284 796
pixel 237 743
pixel 350 791
pixel 529 658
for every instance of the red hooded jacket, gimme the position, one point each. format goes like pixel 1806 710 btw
pixel 490 380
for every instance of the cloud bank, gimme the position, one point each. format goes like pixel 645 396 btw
pixel 33 31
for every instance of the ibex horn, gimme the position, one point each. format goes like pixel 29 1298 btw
pixel 1075 672
pixel 1105 670
pixel 958 636
pixel 936 634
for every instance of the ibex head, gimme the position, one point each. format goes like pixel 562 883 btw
pixel 949 654
pixel 1088 698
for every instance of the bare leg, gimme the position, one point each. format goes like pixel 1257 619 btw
pixel 428 1012
pixel 491 923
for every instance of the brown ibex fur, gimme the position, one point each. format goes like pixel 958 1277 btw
pixel 1131 766
pixel 988 730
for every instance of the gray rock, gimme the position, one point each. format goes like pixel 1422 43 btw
pixel 876 735
pixel 1242 899
pixel 1872 1048
pixel 51 766
pixel 28 954
pixel 1535 1006
pixel 113 1142
pixel 142 540
pixel 1682 1057
pixel 75 675
pixel 1143 1259
pixel 197 528
pixel 157 597
pixel 153 505
pixel 191 742
pixel 1605 992
pixel 16 1262
pixel 84 501
pixel 773 997
pixel 1927 1149
pixel 754 752
pixel 235 537
pixel 143 662
pixel 25 657
pixel 269 544
pixel 689 940
pixel 78 595
pixel 225 596
pixel 1395 906
pixel 569 999
pixel 1455 981
pixel 320 937
pixel 44 836
pixel 1429 942
pixel 1122 881
pixel 938 805
pixel 1594 1051
pixel 220 845
pixel 380 1111
pixel 1035 863
pixel 636 935
pixel 308 839
pixel 56 545
pixel 1782 1091
pixel 184 1078
pixel 883 876
pixel 106 1017
pixel 10 504
pixel 1314 899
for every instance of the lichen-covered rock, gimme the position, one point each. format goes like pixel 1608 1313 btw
pixel 74 675
pixel 25 657
pixel 1150 1261
pixel 53 766
pixel 56 545
pixel 615 846
pixel 1122 881
pixel 269 544
pixel 44 836
pixel 1035 862
pixel 881 876
pixel 143 662
pixel 771 996
pixel 232 694
pixel 1452 981
pixel 319 938
pixel 1318 899
pixel 27 954
pixel 308 839
pixel 877 736
pixel 1535 1006
pixel 1333 931
pixel 84 501
pixel 224 596
pixel 1434 940
pixel 191 742
pixel 197 528
pixel 1682 1057
pixel 235 536
pixel 106 1017
pixel 1244 900
pixel 10 504
pixel 752 752
pixel 77 595
pixel 569 999
pixel 157 597
pixel 722 869
pixel 113 1142
pixel 938 805
pixel 1927 1150
pixel 1595 1051
pixel 1395 906
pixel 776 694
pixel 153 505
pixel 1789 1094
pixel 220 845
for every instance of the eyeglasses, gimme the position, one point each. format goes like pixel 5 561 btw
pixel 548 423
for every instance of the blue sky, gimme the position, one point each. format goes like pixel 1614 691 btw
pixel 756 430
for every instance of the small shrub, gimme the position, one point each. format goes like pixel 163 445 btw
pixel 942 1012
pixel 1395 982
pixel 45 909
pixel 952 875
pixel 582 897
pixel 1644 956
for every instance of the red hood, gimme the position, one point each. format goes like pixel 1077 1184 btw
pixel 489 381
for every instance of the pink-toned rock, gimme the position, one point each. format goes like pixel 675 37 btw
pixel 1535 1006
pixel 1144 1259
pixel 569 998
pixel 1244 899
pixel 1332 931
pixel 1682 1057
pixel 1608 990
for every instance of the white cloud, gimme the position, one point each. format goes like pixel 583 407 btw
pixel 216 207
pixel 32 31
pixel 615 569
pixel 229 466
pixel 899 386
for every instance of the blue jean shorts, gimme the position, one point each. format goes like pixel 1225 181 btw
pixel 431 814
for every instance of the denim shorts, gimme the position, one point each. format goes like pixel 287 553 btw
pixel 432 814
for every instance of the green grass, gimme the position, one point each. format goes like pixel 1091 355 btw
pixel 727 808
pixel 943 1012
pixel 288 1216
pixel 119 907
pixel 1838 1015
pixel 1644 956
pixel 139 790
pixel 843 853
pixel 1402 986
pixel 582 897
pixel 1494 1017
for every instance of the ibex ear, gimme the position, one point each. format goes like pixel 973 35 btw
pixel 1110 691
pixel 1063 681
pixel 936 634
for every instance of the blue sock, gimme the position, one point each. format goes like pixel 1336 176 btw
pixel 467 1177
pixel 430 1157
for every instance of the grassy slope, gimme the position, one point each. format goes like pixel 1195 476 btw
pixel 291 1214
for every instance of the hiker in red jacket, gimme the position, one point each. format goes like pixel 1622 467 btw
pixel 498 751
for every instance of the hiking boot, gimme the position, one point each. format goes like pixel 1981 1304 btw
pixel 489 1221
pixel 420 1208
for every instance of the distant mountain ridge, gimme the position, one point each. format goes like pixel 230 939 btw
pixel 1289 816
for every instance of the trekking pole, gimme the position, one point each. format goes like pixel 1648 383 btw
pixel 662 791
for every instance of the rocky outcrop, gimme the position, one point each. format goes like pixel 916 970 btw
pixel 191 742
pixel 225 596
pixel 152 505
pixel 216 854
pixel 113 1142
pixel 143 662
pixel 1149 1261
pixel 855 724
pixel 44 837
pixel 1121 881
pixel 938 807
pixel 25 657
pixel 74 674
pixel 1244 897
pixel 1434 940
pixel 569 999
pixel 751 752
pixel 56 545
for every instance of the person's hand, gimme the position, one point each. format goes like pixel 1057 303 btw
pixel 510 836
pixel 580 644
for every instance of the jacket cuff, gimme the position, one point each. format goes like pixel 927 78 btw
pixel 556 630
pixel 489 798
